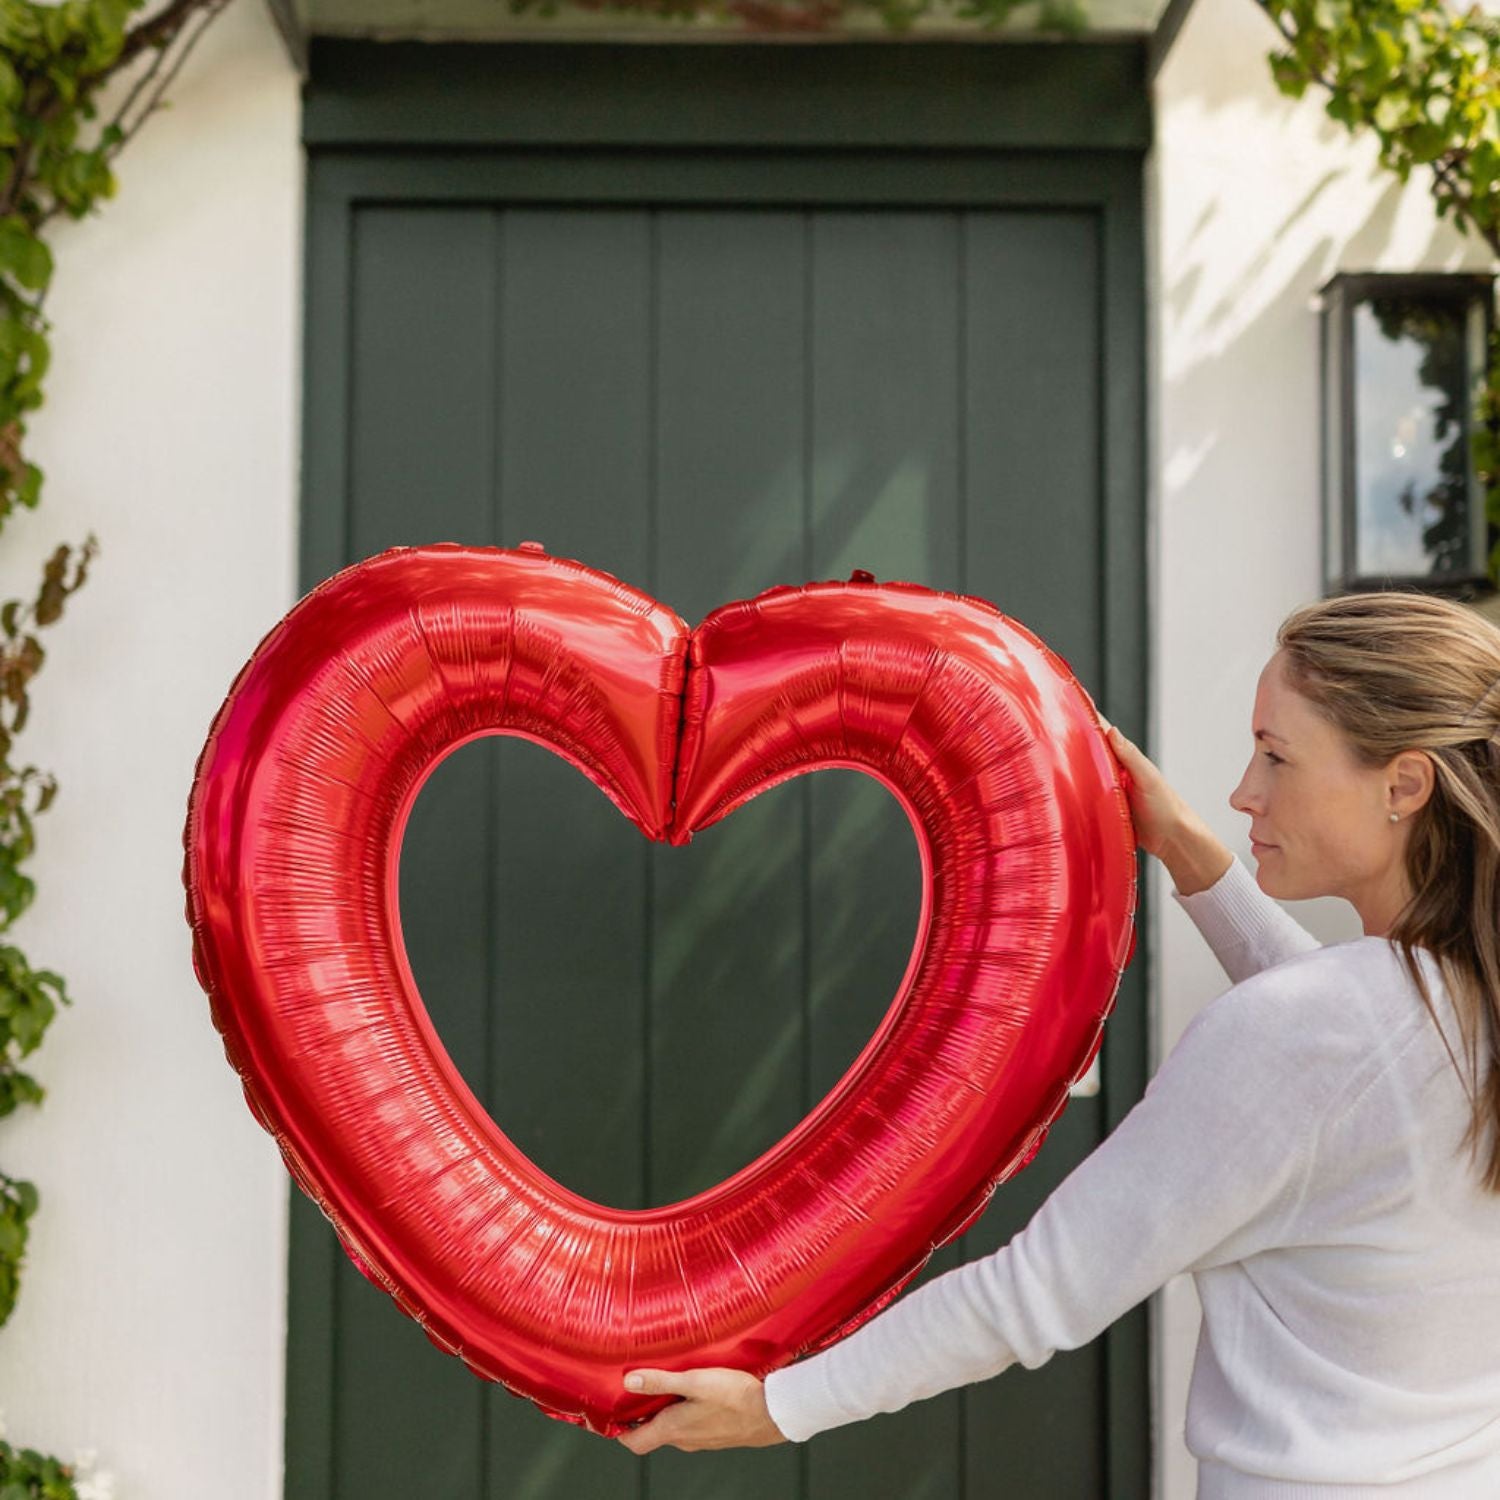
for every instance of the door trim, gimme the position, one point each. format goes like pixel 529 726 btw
pixel 983 94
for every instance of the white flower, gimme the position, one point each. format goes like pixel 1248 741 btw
pixel 88 1484
pixel 100 1486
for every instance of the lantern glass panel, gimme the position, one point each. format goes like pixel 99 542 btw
pixel 1411 453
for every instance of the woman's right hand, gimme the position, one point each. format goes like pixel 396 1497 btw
pixel 1165 825
pixel 1157 811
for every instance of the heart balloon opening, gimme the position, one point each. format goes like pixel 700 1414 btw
pixel 638 1019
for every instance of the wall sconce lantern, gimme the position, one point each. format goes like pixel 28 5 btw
pixel 1403 364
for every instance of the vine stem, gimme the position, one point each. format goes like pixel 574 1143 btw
pixel 154 31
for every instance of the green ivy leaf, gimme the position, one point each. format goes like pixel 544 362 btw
pixel 1326 14
pixel 56 23
pixel 18 1088
pixel 23 255
pixel 38 357
pixel 1392 109
pixel 1288 73
pixel 12 1236
pixel 1343 108
pixel 110 17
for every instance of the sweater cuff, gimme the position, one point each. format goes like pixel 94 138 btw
pixel 1231 914
pixel 799 1401
pixel 1247 930
pixel 1232 907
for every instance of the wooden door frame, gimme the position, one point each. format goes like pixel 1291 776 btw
pixel 1021 126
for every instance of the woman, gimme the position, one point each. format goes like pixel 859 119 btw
pixel 1321 1149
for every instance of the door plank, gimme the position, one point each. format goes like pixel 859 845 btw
pixel 407 1416
pixel 567 924
pixel 727 944
pixel 885 497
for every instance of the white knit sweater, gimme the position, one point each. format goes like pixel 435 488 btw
pixel 1297 1152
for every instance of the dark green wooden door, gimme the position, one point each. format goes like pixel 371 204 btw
pixel 708 377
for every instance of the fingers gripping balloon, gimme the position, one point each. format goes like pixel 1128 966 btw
pixel 292 849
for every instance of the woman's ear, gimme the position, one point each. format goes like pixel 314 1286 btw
pixel 1412 779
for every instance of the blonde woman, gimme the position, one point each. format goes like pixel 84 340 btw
pixel 1321 1149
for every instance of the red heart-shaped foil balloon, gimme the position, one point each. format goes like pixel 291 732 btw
pixel 292 844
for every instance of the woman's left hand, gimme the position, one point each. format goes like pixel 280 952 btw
pixel 720 1409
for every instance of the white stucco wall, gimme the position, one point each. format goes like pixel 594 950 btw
pixel 149 1325
pixel 1259 199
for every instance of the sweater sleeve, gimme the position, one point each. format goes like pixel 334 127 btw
pixel 1205 1168
pixel 1247 930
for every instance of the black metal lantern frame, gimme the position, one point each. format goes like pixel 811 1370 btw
pixel 1402 504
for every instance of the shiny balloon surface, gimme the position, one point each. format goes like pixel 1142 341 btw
pixel 292 847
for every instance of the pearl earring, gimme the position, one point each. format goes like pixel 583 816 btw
pixel 1395 817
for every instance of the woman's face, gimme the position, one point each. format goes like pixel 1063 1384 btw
pixel 1319 821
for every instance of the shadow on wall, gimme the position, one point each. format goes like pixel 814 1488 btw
pixel 1241 375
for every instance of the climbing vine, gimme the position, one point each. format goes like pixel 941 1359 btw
pixel 1425 80
pixel 54 62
